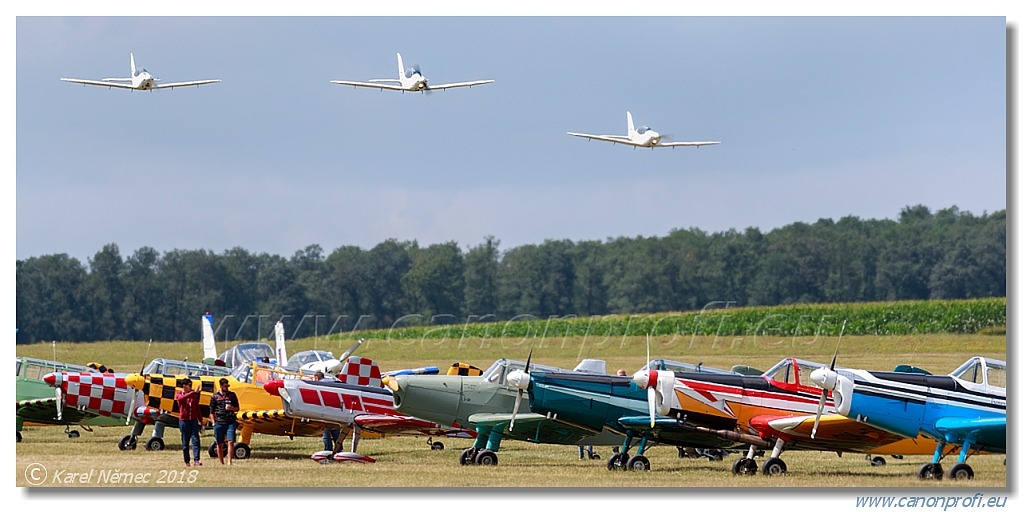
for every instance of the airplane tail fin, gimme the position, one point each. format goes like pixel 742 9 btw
pixel 401 67
pixel 132 57
pixel 282 352
pixel 209 346
pixel 360 371
pixel 630 130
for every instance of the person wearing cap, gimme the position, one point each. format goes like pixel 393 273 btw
pixel 223 406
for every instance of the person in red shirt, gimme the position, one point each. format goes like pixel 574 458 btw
pixel 188 420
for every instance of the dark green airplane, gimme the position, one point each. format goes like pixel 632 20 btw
pixel 487 404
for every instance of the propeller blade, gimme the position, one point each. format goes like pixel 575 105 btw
pixel 60 403
pixel 515 410
pixel 131 408
pixel 836 353
pixel 817 417
pixel 652 397
pixel 528 358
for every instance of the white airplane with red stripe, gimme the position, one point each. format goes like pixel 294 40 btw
pixel 356 401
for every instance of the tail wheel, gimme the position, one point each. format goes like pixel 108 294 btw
pixel 878 461
pixel 638 463
pixel 437 445
pixel 773 466
pixel 961 472
pixel 73 434
pixel 487 458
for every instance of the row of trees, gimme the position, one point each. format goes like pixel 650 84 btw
pixel 148 295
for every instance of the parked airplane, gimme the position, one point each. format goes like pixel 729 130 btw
pixel 141 80
pixel 965 408
pixel 36 403
pixel 485 404
pixel 411 80
pixel 645 137
pixel 362 406
pixel 316 361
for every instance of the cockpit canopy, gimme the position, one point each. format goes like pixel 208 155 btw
pixel 679 367
pixel 643 129
pixel 247 352
pixel 983 371
pixel 162 366
pixel 794 371
pixel 500 369
pixel 309 356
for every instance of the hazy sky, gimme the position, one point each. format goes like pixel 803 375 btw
pixel 818 117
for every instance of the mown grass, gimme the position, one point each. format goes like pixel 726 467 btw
pixel 408 463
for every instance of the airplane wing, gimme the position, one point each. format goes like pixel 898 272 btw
pixel 986 433
pixel 618 139
pixel 457 84
pixel 670 431
pixel 44 411
pixel 835 433
pixel 405 425
pixel 279 423
pixel 99 82
pixel 372 85
pixel 532 427
pixel 673 144
pixel 183 84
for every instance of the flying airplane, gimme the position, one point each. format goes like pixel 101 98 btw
pixel 645 137
pixel 706 410
pixel 36 403
pixel 141 80
pixel 486 403
pixel 965 408
pixel 411 80
pixel 363 407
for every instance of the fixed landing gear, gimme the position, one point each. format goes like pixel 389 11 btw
pixel 961 472
pixel 930 471
pixel 72 434
pixel 19 437
pixel 622 460
pixel 435 445
pixel 617 461
pixel 128 442
pixel 744 466
pixel 155 444
pixel 773 467
pixel 877 460
pixel 638 463
pixel 480 457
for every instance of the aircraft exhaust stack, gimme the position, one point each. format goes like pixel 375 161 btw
pixel 732 435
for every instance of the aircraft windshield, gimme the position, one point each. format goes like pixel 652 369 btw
pixel 643 129
pixel 679 367
pixel 982 371
pixel 309 356
pixel 497 372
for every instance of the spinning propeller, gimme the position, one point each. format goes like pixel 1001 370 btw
pixel 826 381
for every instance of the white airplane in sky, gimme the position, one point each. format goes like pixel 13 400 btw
pixel 645 137
pixel 140 80
pixel 411 80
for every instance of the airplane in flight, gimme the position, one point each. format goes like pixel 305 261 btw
pixel 409 80
pixel 141 80
pixel 644 137
pixel 965 408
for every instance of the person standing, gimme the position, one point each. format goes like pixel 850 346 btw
pixel 223 406
pixel 188 420
pixel 332 435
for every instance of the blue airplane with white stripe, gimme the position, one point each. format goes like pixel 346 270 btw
pixel 966 408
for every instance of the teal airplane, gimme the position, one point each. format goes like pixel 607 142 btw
pixel 486 404
pixel 966 408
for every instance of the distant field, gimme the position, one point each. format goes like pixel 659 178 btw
pixel 406 462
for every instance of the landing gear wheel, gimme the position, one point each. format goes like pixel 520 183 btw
pixel 961 472
pixel 930 472
pixel 127 443
pixel 773 466
pixel 617 461
pixel 714 455
pixel 467 457
pixel 19 436
pixel 242 451
pixel 744 466
pixel 638 463
pixel 213 450
pixel 487 458
pixel 155 444
pixel 878 461
pixel 437 445
pixel 595 456
pixel 73 434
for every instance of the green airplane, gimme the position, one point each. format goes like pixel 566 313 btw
pixel 37 402
pixel 487 404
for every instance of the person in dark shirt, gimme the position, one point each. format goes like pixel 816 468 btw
pixel 188 420
pixel 223 406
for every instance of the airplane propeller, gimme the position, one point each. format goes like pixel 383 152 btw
pixel 521 381
pixel 60 402
pixel 130 411
pixel 825 378
pixel 655 382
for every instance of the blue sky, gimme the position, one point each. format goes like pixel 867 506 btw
pixel 818 117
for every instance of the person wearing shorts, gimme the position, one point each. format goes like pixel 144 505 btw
pixel 223 406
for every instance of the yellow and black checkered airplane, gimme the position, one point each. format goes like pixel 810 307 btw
pixel 260 412
pixel 464 369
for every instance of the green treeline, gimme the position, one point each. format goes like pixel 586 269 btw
pixel 947 254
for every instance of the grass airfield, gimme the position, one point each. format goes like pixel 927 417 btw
pixel 407 462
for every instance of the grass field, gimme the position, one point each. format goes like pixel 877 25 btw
pixel 408 463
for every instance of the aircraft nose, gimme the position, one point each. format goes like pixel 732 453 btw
pixel 135 381
pixel 52 379
pixel 274 387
